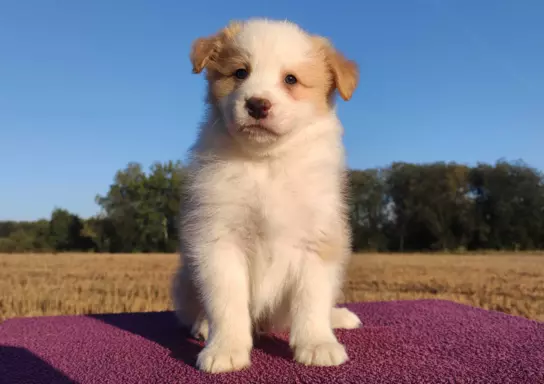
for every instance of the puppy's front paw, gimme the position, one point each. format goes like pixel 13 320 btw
pixel 217 359
pixel 323 354
pixel 344 318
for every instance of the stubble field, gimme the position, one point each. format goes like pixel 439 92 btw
pixel 47 284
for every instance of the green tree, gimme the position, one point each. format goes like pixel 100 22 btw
pixel 368 209
pixel 143 209
pixel 65 232
pixel 406 199
pixel 447 208
pixel 415 207
pixel 510 205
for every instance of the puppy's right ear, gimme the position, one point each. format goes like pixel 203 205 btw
pixel 206 49
pixel 202 51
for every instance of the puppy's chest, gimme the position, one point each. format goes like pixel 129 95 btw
pixel 277 203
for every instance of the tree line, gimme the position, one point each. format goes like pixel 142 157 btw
pixel 403 207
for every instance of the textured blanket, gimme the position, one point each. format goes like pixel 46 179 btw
pixel 426 341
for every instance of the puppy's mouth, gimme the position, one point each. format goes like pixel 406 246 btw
pixel 256 129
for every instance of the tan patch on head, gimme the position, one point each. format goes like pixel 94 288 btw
pixel 221 58
pixel 314 82
pixel 220 72
pixel 326 70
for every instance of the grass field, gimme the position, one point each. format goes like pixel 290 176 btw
pixel 46 284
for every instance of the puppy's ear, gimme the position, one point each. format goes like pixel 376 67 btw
pixel 345 72
pixel 205 49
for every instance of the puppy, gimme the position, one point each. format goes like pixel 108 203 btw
pixel 264 229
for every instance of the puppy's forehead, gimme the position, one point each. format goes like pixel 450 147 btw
pixel 274 42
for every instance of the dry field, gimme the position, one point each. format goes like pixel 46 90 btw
pixel 46 284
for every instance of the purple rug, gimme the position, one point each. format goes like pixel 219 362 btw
pixel 426 341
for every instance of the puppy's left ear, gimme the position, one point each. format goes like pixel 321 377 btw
pixel 345 72
pixel 206 49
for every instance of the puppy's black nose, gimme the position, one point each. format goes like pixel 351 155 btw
pixel 257 107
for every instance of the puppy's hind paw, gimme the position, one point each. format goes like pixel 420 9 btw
pixel 345 319
pixel 200 329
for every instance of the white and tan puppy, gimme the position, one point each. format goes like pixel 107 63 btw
pixel 264 230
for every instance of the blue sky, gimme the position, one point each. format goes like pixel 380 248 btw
pixel 87 86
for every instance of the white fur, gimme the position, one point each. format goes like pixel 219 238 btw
pixel 255 209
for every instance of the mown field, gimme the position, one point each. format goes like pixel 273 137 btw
pixel 47 284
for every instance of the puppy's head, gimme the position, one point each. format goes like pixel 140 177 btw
pixel 268 78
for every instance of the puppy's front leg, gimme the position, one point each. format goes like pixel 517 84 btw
pixel 224 286
pixel 312 338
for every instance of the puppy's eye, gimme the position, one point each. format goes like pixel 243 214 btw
pixel 290 79
pixel 241 74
